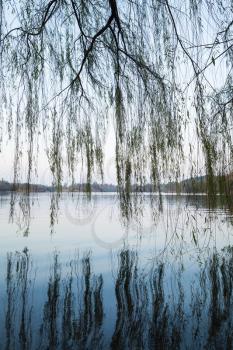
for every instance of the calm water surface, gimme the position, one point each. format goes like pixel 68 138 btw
pixel 94 282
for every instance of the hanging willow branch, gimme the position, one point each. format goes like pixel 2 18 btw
pixel 68 65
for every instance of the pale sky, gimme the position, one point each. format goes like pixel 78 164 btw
pixel 44 174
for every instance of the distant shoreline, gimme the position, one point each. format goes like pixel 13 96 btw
pixel 112 193
pixel 194 186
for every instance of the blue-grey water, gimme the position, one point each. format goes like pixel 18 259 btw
pixel 84 278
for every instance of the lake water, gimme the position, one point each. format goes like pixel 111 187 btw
pixel 91 281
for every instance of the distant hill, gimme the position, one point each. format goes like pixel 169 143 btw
pixel 199 184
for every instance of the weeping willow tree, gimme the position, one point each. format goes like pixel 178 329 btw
pixel 152 68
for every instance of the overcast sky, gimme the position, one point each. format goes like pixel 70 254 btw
pixel 44 174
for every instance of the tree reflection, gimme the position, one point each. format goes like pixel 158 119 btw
pixel 156 307
pixel 19 286
pixel 131 298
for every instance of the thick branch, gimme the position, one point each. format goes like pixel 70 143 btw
pixel 95 37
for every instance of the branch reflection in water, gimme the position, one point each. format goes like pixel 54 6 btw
pixel 155 307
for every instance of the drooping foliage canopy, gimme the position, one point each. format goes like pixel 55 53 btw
pixel 153 68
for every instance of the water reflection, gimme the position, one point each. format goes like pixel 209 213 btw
pixel 79 210
pixel 19 288
pixel 155 308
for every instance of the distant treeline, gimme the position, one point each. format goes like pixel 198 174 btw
pixel 200 184
pixel 22 187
